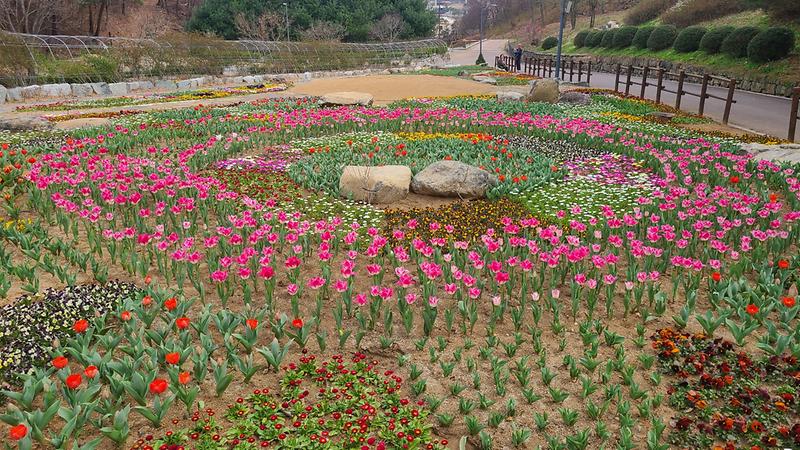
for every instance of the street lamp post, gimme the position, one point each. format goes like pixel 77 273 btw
pixel 480 43
pixel 286 5
pixel 565 7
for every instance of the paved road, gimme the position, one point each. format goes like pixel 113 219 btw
pixel 755 112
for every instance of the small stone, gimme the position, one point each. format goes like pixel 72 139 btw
pixel 510 96
pixel 575 98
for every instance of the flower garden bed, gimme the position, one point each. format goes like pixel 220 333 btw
pixel 269 312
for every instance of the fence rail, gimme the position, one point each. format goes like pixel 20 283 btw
pixel 572 69
pixel 659 74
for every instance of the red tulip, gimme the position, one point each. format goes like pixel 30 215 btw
pixel 252 323
pixel 18 432
pixel 91 371
pixel 783 264
pixel 125 316
pixel 182 323
pixel 788 302
pixel 171 303
pixel 148 279
pixel 80 326
pixel 158 386
pixel 716 276
pixel 173 358
pixel 59 362
pixel 74 380
pixel 297 323
pixel 184 377
pixel 752 309
pixel 734 179
pixel 147 300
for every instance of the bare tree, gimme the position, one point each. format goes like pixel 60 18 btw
pixel 388 29
pixel 28 16
pixel 269 26
pixel 323 30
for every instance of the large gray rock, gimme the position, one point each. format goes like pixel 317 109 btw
pixel 31 91
pixel 101 88
pixel 56 90
pixel 346 99
pixel 167 85
pixel 383 184
pixel 544 90
pixel 453 179
pixel 3 94
pixel 15 94
pixel 575 98
pixel 118 88
pixel 82 89
pixel 25 124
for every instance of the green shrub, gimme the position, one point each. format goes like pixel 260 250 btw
pixel 624 37
pixel 770 45
pixel 580 39
pixel 736 43
pixel 688 39
pixel 712 41
pixel 608 38
pixel 595 38
pixel 662 38
pixel 695 11
pixel 549 42
pixel 647 10
pixel 641 37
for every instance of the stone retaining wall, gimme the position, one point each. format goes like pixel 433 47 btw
pixel 88 90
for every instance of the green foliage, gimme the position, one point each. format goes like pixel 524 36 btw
pixel 580 38
pixel 696 11
pixel 641 37
pixel 688 39
pixel 356 16
pixel 662 38
pixel 712 40
pixel 595 38
pixel 735 45
pixel 647 10
pixel 623 38
pixel 549 42
pixel 608 38
pixel 771 44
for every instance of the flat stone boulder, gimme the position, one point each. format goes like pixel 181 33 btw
pixel 118 88
pixel 375 185
pixel 101 88
pixel 82 90
pixel 346 99
pixel 544 90
pixel 575 98
pixel 485 79
pixel 510 96
pixel 25 124
pixel 3 94
pixel 453 179
pixel 56 90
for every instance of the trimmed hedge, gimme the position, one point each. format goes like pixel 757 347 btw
pixel 608 38
pixel 662 38
pixel 712 41
pixel 736 43
pixel 624 36
pixel 688 39
pixel 580 39
pixel 595 38
pixel 549 42
pixel 641 37
pixel 770 45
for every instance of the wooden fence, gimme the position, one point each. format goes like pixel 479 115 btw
pixel 654 76
pixel 572 69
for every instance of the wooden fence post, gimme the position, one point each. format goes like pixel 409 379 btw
pixel 704 93
pixel 571 69
pixel 659 84
pixel 616 80
pixel 580 71
pixel 589 73
pixel 729 101
pixel 644 81
pixel 628 80
pixel 679 91
pixel 793 113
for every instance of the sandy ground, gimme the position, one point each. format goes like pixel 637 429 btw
pixel 388 88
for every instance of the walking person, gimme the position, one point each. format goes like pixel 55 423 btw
pixel 518 58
